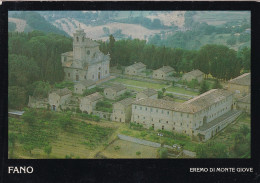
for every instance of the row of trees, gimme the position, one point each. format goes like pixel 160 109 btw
pixel 218 60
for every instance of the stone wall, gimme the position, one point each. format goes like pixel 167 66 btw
pixel 102 115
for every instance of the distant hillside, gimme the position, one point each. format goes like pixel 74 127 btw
pixel 27 21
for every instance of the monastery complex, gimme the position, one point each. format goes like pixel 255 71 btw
pixel 200 117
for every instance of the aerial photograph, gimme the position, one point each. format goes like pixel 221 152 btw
pixel 129 84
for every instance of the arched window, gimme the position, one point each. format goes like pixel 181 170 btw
pixel 77 39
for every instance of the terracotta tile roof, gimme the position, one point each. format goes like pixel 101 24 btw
pixel 67 64
pixel 138 65
pixel 195 73
pixel 62 92
pixel 94 96
pixel 149 92
pixel 244 79
pixel 208 98
pixel 166 69
pixel 87 83
pixel 246 99
pixel 191 106
pixel 69 53
pixel 126 101
pixel 117 87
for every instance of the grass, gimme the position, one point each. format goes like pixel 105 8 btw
pixel 151 135
pixel 139 83
pixel 182 90
pixel 129 150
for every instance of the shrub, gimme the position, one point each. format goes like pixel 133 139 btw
pixel 138 153
pixel 117 148
pixel 163 152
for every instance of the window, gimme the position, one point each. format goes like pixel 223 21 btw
pixel 138 117
pixel 140 108
pixel 159 121
pixel 143 117
pixel 167 122
pixel 152 119
pixel 162 111
pixel 181 124
pixel 187 115
pixel 181 114
pixel 106 71
pixel 156 110
pixel 88 52
pixel 77 39
pixel 82 39
pixel 135 107
pixel 153 125
pixel 174 123
pixel 85 77
pixel 151 110
pixel 146 108
pixel 65 59
pixel 168 112
pixel 93 76
pixel 162 127
pixel 76 89
pixel 173 128
pixel 99 68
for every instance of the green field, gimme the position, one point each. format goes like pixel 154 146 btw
pixel 77 139
pixel 220 17
pixel 182 90
pixel 139 83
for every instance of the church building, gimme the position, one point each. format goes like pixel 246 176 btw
pixel 86 61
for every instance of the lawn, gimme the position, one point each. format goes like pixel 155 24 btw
pixel 139 83
pixel 125 149
pixel 182 91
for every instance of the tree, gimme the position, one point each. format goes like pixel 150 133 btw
pixel 204 87
pixel 163 90
pixel 160 94
pixel 16 97
pixel 28 148
pixel 48 149
pixel 217 84
pixel 162 152
pixel 244 130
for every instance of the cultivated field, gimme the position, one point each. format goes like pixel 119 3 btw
pixel 128 150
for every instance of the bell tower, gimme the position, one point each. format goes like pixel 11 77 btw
pixel 79 43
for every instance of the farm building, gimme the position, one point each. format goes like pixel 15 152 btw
pixel 80 87
pixel 88 103
pixel 135 69
pixel 59 98
pixel 114 91
pixel 195 74
pixel 122 110
pixel 163 73
pixel 147 93
pixel 203 116
pixel 240 86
